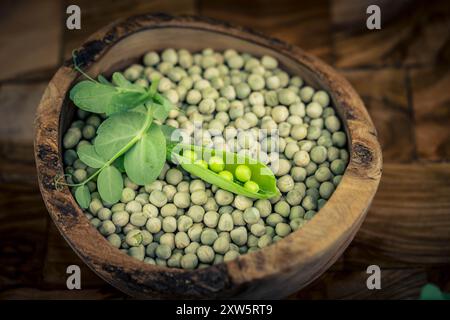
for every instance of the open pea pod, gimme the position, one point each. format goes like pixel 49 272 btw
pixel 261 174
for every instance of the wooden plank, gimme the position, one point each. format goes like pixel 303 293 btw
pixel 23 224
pixel 18 103
pixel 409 221
pixel 305 24
pixel 411 34
pixel 97 14
pixel 59 257
pixel 385 97
pixel 395 284
pixel 431 103
pixel 30 34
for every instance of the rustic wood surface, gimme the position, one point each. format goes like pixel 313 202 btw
pixel 402 73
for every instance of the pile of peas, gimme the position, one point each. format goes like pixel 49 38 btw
pixel 181 221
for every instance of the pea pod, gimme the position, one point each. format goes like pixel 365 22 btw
pixel 261 174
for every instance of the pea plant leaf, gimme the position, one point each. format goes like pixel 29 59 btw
pixel 116 132
pixel 92 96
pixel 125 100
pixel 83 196
pixel 87 154
pixel 119 164
pixel 119 80
pixel 110 184
pixel 145 160
pixel 99 97
pixel 160 112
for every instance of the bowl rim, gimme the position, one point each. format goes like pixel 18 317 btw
pixel 321 239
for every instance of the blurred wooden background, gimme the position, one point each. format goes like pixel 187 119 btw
pixel 401 72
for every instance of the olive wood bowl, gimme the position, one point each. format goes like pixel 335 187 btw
pixel 273 272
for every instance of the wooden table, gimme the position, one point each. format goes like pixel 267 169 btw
pixel 402 72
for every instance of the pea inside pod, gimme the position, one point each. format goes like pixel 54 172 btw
pixel 261 175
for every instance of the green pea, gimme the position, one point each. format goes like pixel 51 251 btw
pixel 120 218
pixel 225 222
pixel 223 197
pixel 216 164
pixel 182 240
pixel 310 214
pixel 184 223
pixel 137 252
pixel 264 241
pixel 114 240
pixel 251 215
pixel 199 197
pixel 227 175
pixel 138 219
pixel 221 245
pixel 282 229
pixel 163 251
pixel 153 225
pixel 158 198
pixel 104 214
pixel 150 250
pixel 243 173
pixel 182 200
pixel 239 236
pixel 174 176
pixel 189 261
pixel 211 219
pixel 192 247
pixel 251 186
pixel 134 238
pixel 338 167
pixel 319 154
pixel 273 219
pixel 208 236
pixel 230 255
pixel 169 224
pixel 169 210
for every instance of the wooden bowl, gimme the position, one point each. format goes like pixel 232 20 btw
pixel 273 272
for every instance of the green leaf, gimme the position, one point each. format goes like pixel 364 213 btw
pixel 119 80
pixel 110 184
pixel 169 134
pixel 87 154
pixel 116 132
pixel 160 112
pixel 83 196
pixel 145 160
pixel 119 164
pixel 104 98
pixel 126 100
pixel 92 96
pixel 261 174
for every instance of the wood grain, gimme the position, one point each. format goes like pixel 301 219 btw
pixel 386 99
pixel 351 285
pixel 29 35
pixel 409 221
pixel 305 24
pixel 431 103
pixel 416 35
pixel 18 104
pixel 97 14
